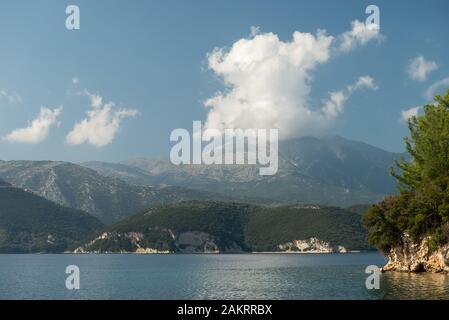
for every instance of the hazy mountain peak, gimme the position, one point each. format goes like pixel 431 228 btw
pixel 327 170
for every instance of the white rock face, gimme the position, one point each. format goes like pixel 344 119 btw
pixel 150 251
pixel 184 242
pixel 417 257
pixel 311 245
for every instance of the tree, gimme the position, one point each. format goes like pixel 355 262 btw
pixel 422 206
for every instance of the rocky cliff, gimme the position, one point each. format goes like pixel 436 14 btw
pixel 312 245
pixel 191 242
pixel 137 242
pixel 414 256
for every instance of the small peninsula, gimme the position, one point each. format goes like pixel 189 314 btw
pixel 412 228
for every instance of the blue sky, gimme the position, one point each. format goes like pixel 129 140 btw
pixel 151 57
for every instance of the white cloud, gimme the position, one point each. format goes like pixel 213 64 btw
pixel 268 84
pixel 412 112
pixel 359 35
pixel 38 129
pixel 11 97
pixel 363 82
pixel 434 88
pixel 335 104
pixel 101 125
pixel 419 68
pixel 75 80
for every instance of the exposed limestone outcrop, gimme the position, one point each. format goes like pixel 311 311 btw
pixel 183 242
pixel 150 251
pixel 135 239
pixel 414 256
pixel 311 245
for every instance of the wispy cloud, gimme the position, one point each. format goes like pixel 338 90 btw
pixel 434 88
pixel 11 97
pixel 419 68
pixel 101 124
pixel 335 104
pixel 38 129
pixel 359 35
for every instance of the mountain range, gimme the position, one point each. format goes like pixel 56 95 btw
pixel 329 171
pixel 49 206
pixel 108 199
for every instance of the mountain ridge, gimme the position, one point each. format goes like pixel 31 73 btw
pixel 30 224
pixel 330 170
pixel 215 227
pixel 106 198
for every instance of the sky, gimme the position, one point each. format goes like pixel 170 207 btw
pixel 136 70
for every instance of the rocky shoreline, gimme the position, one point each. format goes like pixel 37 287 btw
pixel 150 251
pixel 311 245
pixel 414 256
pixel 195 242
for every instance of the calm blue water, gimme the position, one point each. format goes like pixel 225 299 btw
pixel 256 276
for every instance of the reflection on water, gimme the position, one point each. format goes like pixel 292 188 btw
pixel 246 276
pixel 400 285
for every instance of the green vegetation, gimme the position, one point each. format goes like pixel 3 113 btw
pixel 422 207
pixel 234 226
pixel 269 227
pixel 29 223
pixel 359 208
pixel 223 220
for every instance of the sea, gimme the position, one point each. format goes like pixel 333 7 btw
pixel 211 276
